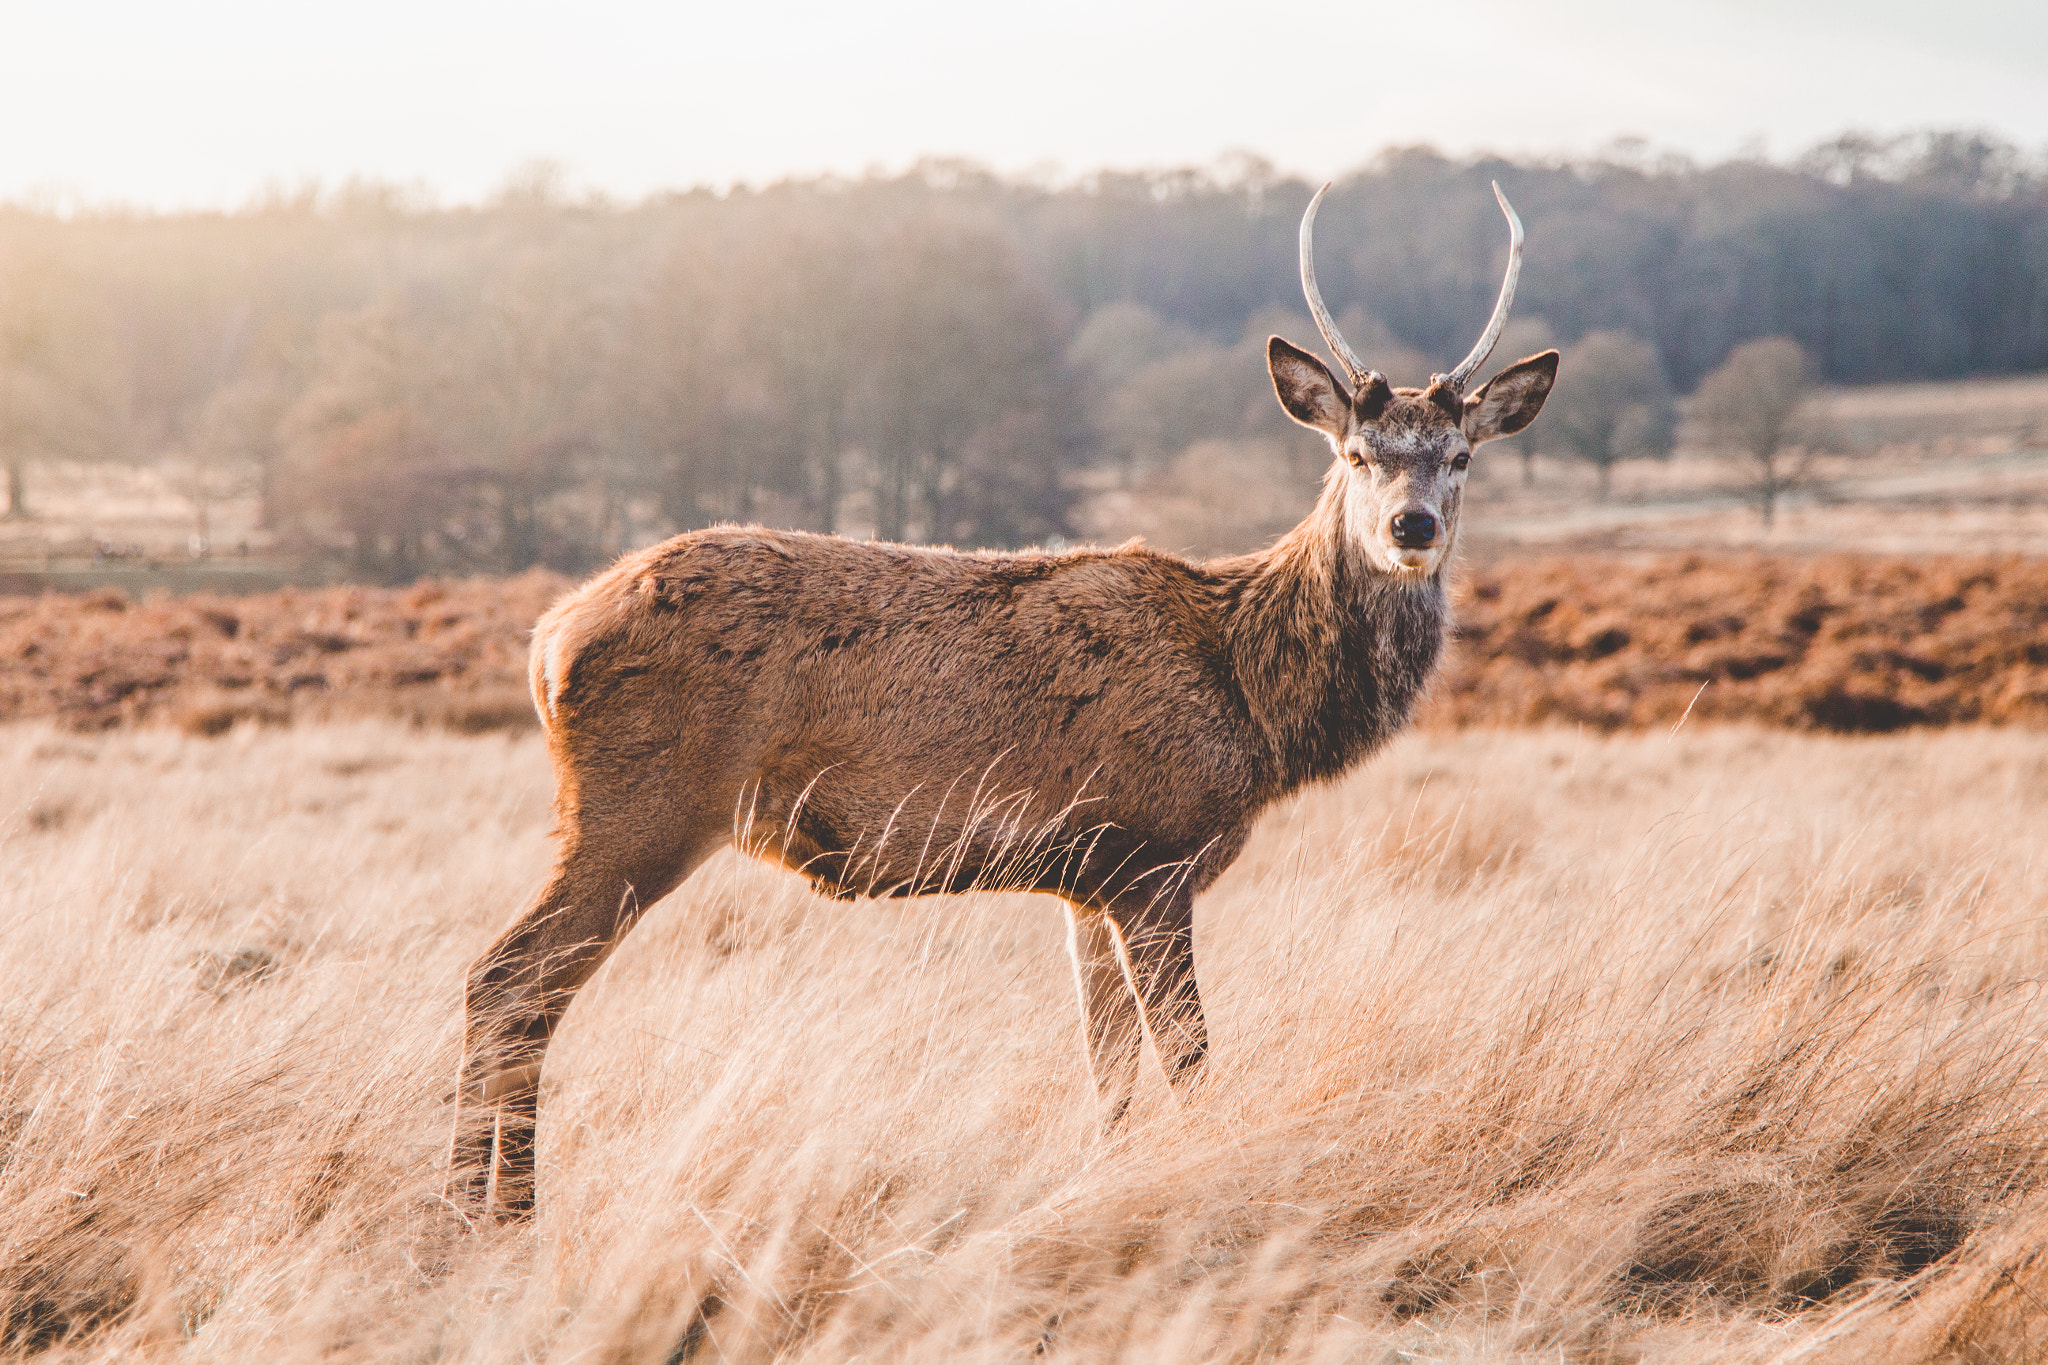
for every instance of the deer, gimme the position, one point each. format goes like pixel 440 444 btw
pixel 1102 725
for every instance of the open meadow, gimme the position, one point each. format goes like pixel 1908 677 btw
pixel 906 435
pixel 1529 1044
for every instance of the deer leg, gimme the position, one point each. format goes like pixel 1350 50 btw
pixel 1109 1012
pixel 1159 952
pixel 520 988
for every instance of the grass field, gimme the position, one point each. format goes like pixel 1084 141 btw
pixel 1529 1045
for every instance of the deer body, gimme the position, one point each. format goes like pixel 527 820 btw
pixel 1102 725
pixel 1144 701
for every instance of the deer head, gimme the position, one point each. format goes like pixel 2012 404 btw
pixel 1402 454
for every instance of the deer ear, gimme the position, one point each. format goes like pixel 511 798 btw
pixel 1307 389
pixel 1510 400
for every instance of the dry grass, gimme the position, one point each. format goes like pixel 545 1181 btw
pixel 1529 1045
pixel 1941 417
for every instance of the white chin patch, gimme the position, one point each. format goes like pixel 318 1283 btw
pixel 1411 561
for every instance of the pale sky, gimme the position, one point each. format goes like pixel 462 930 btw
pixel 203 104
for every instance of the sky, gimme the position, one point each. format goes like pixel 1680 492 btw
pixel 208 103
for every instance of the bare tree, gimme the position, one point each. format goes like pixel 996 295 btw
pixel 1174 402
pixel 791 347
pixel 238 429
pixel 1751 407
pixel 1612 403
pixel 37 419
pixel 55 380
pixel 363 467
pixel 1119 339
pixel 1118 343
pixel 513 397
pixel 665 422
pixel 958 340
pixel 441 427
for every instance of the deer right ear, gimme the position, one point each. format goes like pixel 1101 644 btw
pixel 1511 399
pixel 1307 389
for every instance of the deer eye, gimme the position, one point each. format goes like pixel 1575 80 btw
pixel 1461 459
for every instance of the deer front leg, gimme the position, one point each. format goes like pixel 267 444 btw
pixel 1109 1012
pixel 1159 952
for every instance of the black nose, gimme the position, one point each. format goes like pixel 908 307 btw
pixel 1413 530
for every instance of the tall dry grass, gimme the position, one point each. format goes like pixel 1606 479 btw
pixel 1528 1045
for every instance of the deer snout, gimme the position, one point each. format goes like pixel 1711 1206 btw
pixel 1413 529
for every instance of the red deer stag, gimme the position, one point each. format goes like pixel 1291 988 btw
pixel 1103 725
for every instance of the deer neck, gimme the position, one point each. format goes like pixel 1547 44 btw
pixel 1330 651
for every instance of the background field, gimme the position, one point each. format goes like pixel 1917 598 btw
pixel 1924 469
pixel 1529 1045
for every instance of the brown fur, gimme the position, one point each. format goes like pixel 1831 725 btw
pixel 1102 725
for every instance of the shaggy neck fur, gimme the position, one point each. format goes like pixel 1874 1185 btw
pixel 1330 651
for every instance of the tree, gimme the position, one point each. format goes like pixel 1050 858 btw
pixel 38 417
pixel 363 465
pixel 790 350
pixel 958 341
pixel 666 421
pixel 237 433
pixel 54 378
pixel 1117 343
pixel 1751 407
pixel 1197 395
pixel 513 402
pixel 1119 339
pixel 1611 403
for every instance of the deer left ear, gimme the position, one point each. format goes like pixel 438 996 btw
pixel 1307 389
pixel 1510 400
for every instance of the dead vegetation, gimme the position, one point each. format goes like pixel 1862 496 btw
pixel 1841 643
pixel 1529 1045
pixel 451 655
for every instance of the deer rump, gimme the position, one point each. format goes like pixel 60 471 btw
pixel 898 721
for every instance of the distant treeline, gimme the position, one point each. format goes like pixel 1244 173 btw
pixel 935 355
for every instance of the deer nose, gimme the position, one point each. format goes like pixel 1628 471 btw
pixel 1413 530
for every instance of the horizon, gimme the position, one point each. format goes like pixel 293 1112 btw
pixel 222 105
pixel 547 181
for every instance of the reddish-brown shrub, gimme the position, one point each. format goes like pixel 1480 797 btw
pixel 442 653
pixel 1841 643
pixel 1837 643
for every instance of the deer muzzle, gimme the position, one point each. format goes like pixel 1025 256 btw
pixel 1413 528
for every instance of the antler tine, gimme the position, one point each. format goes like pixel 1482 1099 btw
pixel 1458 378
pixel 1361 374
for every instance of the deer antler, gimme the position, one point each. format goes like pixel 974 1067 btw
pixel 1456 380
pixel 1362 376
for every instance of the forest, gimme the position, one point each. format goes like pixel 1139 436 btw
pixel 944 355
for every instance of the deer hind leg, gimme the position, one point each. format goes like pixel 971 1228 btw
pixel 1109 1012
pixel 1158 937
pixel 520 988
